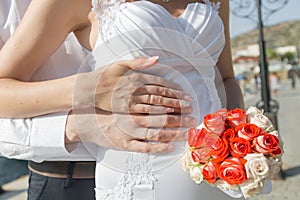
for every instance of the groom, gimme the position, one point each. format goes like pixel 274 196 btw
pixel 62 165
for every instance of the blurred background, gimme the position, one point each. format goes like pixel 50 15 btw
pixel 265 52
pixel 281 21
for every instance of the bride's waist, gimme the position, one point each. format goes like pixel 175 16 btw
pixel 124 161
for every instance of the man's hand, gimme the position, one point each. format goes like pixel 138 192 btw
pixel 139 133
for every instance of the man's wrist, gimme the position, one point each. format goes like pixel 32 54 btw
pixel 71 133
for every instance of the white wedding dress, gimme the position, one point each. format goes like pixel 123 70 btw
pixel 189 47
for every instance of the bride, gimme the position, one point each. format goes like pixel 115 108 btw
pixel 189 41
pixel 192 41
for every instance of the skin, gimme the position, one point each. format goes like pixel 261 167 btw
pixel 42 39
pixel 39 31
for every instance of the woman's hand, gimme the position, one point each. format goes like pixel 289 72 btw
pixel 121 88
pixel 139 133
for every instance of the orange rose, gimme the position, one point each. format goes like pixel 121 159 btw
pixel 267 143
pixel 236 117
pixel 220 150
pixel 215 122
pixel 248 131
pixel 210 140
pixel 232 171
pixel 239 147
pixel 276 152
pixel 201 155
pixel 201 138
pixel 228 134
pixel 209 173
pixel 196 137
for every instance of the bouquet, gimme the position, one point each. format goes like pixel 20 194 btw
pixel 234 150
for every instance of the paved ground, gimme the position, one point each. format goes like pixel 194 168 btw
pixel 288 121
pixel 16 189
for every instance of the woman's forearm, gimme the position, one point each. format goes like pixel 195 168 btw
pixel 27 99
pixel 234 94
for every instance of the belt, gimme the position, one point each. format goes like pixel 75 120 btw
pixel 64 169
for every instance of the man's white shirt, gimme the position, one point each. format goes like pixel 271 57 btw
pixel 40 138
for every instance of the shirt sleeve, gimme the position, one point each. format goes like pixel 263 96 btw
pixel 39 139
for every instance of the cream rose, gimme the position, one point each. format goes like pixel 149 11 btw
pixel 275 166
pixel 186 161
pixel 251 188
pixel 196 174
pixel 253 111
pixel 257 166
pixel 223 185
pixel 256 117
pixel 275 133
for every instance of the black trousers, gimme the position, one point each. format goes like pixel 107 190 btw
pixel 47 188
pixel 11 169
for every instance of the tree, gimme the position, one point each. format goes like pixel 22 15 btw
pixel 288 57
pixel 272 54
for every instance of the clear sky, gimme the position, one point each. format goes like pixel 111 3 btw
pixel 289 12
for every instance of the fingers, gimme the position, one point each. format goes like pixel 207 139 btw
pixel 151 109
pixel 163 91
pixel 143 147
pixel 156 80
pixel 159 136
pixel 160 100
pixel 143 108
pixel 164 121
pixel 140 63
pixel 155 141
pixel 163 135
pixel 164 100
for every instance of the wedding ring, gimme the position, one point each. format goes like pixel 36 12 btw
pixel 184 103
pixel 149 99
pixel 146 134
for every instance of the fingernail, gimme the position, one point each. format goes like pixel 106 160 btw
pixel 153 59
pixel 169 110
pixel 187 97
pixel 184 103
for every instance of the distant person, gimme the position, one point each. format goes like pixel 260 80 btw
pixel 256 81
pixel 275 84
pixel 293 80
pixel 292 74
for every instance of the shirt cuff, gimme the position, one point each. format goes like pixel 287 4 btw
pixel 48 136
